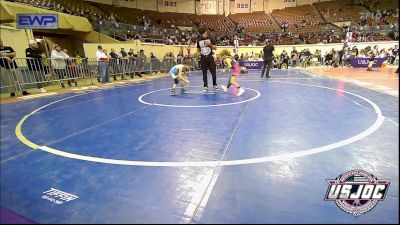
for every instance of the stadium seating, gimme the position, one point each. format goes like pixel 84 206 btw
pixel 219 24
pixel 304 23
pixel 340 10
pixel 255 22
pixel 297 17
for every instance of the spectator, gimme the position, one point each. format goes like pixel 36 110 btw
pixel 372 55
pixel 142 62
pixel 132 54
pixel 102 61
pixel 277 62
pixel 132 60
pixel 394 54
pixel 179 58
pixel 7 54
pixel 79 62
pixel 124 61
pixel 285 59
pixel 114 64
pixel 317 54
pixel 335 58
pixel 155 63
pixel 294 57
pixel 355 51
pixel 58 62
pixel 329 58
pixel 34 57
pixel 246 57
pixel 382 53
pixel 71 68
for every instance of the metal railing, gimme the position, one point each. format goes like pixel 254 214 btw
pixel 19 74
pixel 8 79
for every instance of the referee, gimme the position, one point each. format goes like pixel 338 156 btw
pixel 268 56
pixel 205 46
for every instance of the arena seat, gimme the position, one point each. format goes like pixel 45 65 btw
pixel 340 10
pixel 299 17
pixel 254 22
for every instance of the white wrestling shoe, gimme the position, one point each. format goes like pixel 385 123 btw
pixel 240 92
pixel 224 88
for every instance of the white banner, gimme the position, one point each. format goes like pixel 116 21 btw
pixel 236 46
pixel 208 7
pixel 242 6
pixel 220 7
pixel 128 3
pixel 167 5
pixel 257 5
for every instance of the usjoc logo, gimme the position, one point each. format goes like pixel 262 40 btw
pixel 37 21
pixel 356 192
pixel 252 64
pixel 365 61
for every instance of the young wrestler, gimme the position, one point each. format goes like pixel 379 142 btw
pixel 233 79
pixel 228 62
pixel 178 72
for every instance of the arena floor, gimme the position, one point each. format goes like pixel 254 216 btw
pixel 131 153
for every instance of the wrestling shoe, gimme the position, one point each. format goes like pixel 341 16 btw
pixel 173 92
pixel 240 92
pixel 224 88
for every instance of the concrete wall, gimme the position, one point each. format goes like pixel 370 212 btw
pixel 146 4
pixel 187 6
pixel 257 5
pixel 17 39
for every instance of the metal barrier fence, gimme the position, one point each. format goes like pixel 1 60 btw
pixel 20 74
pixel 8 79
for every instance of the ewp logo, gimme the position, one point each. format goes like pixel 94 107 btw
pixel 37 21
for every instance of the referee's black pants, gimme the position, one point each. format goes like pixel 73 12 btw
pixel 208 63
pixel 267 65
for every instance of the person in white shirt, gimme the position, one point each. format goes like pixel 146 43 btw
pixel 102 61
pixel 58 62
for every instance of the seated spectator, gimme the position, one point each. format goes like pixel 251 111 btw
pixel 329 59
pixel 277 62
